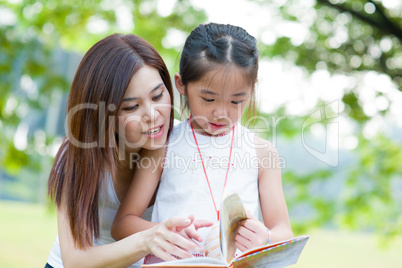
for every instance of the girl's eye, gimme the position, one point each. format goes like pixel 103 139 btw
pixel 157 97
pixel 130 108
pixel 208 100
pixel 237 102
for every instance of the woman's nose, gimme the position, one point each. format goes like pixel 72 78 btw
pixel 151 113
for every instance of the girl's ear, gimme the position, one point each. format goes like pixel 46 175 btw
pixel 179 84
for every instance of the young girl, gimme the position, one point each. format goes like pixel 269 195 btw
pixel 211 155
pixel 120 102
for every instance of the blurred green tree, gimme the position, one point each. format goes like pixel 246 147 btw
pixel 32 69
pixel 355 38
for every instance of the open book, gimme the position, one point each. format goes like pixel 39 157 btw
pixel 220 248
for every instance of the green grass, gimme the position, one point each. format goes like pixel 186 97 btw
pixel 27 232
pixel 334 249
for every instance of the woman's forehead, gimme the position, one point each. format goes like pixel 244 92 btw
pixel 143 82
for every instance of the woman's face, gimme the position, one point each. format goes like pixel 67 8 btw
pixel 144 115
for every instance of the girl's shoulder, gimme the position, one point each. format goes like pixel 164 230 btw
pixel 178 127
pixel 264 147
pixel 177 124
pixel 257 141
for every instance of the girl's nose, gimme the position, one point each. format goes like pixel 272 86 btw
pixel 220 112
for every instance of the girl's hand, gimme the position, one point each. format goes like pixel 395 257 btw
pixel 164 239
pixel 251 233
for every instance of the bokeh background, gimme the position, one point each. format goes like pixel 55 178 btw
pixel 328 97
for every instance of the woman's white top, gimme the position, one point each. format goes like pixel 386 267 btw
pixel 108 206
pixel 183 187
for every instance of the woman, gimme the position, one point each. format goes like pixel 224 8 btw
pixel 120 102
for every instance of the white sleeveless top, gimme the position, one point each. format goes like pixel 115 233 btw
pixel 183 187
pixel 108 206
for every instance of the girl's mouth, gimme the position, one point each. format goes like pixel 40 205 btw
pixel 216 126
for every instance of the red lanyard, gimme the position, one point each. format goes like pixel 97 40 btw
pixel 205 172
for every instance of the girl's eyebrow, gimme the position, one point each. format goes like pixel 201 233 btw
pixel 239 94
pixel 135 98
pixel 207 91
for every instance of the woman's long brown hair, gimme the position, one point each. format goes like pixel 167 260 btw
pixel 90 149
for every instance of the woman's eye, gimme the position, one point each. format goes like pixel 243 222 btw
pixel 208 100
pixel 130 108
pixel 157 97
pixel 237 102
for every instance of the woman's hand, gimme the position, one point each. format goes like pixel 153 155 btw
pixel 190 232
pixel 174 236
pixel 251 233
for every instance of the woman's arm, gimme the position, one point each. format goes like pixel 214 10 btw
pixel 128 218
pixel 158 238
pixel 251 232
pixel 125 252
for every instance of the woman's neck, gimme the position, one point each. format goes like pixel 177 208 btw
pixel 124 172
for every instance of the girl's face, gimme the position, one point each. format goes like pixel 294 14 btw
pixel 218 100
pixel 143 117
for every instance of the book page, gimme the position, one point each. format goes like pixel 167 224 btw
pixel 232 211
pixel 212 244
